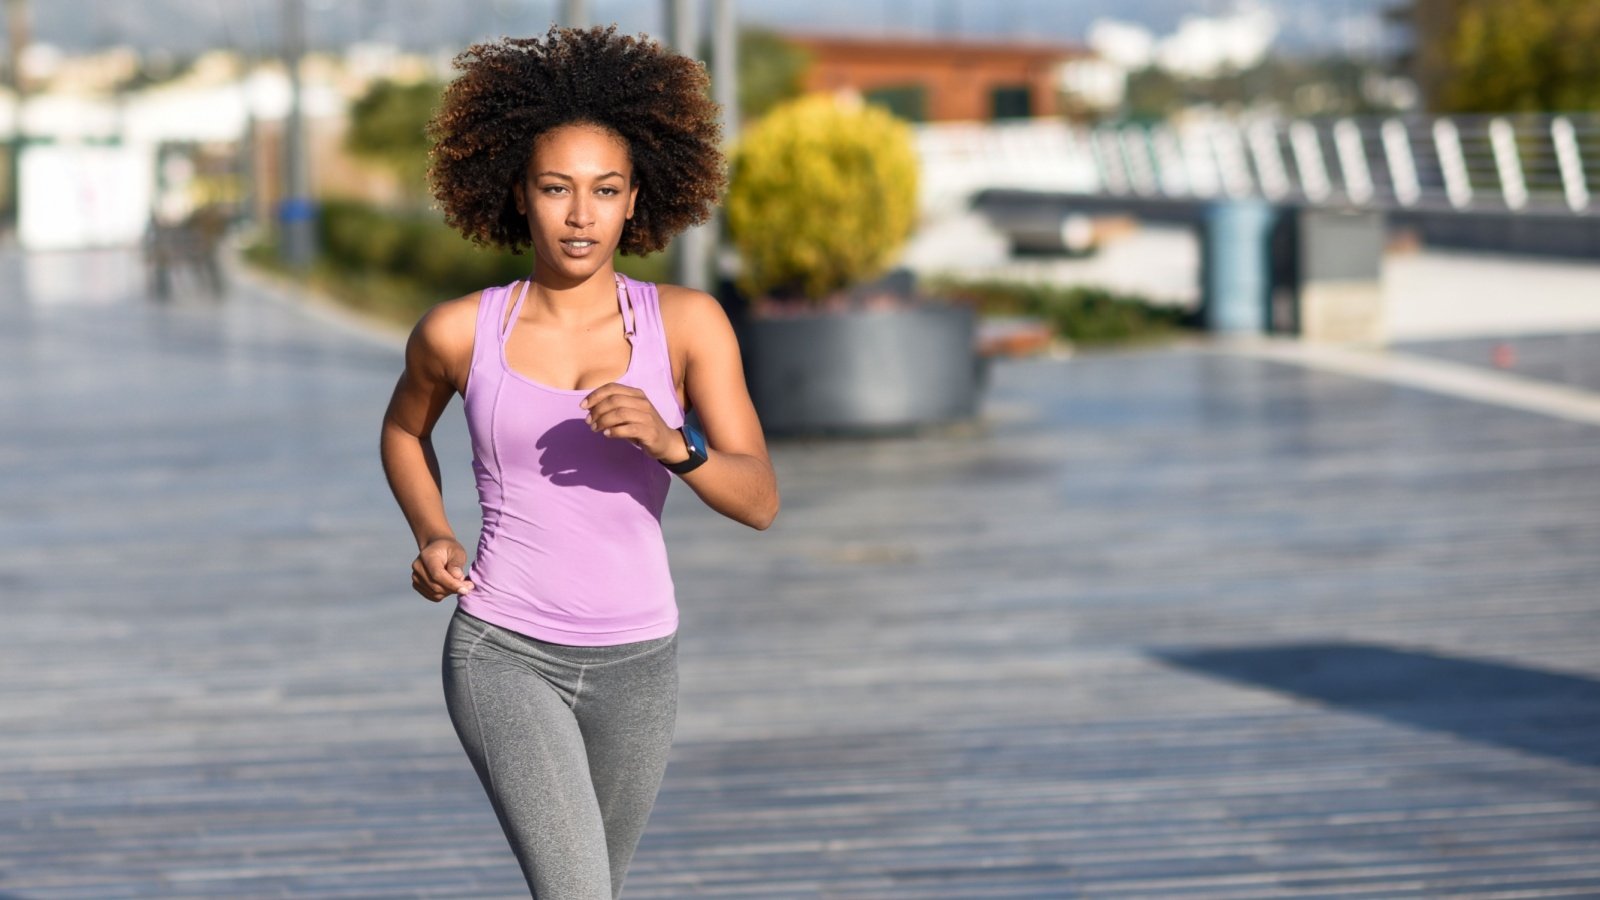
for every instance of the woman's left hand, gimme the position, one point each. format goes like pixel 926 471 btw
pixel 625 413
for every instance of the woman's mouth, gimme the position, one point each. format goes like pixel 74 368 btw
pixel 577 247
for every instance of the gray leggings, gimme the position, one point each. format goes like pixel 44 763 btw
pixel 570 744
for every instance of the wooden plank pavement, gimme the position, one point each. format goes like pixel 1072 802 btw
pixel 1167 624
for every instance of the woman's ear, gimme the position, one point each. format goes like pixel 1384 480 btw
pixel 519 196
pixel 633 197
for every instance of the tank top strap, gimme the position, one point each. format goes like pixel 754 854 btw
pixel 650 334
pixel 625 306
pixel 490 328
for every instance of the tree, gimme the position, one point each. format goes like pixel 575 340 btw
pixel 1516 56
pixel 388 126
pixel 1294 86
pixel 771 71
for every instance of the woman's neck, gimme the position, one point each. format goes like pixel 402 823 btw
pixel 566 299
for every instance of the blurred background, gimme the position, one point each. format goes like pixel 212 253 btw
pixel 1194 489
pixel 1445 115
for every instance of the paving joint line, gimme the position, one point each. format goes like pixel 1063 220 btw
pixel 1426 373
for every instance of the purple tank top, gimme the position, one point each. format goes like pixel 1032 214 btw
pixel 571 550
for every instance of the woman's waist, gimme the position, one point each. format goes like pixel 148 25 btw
pixel 579 593
pixel 546 556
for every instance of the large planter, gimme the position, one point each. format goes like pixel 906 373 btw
pixel 862 371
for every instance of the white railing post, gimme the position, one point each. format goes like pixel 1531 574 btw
pixel 1228 145
pixel 1204 178
pixel 1565 137
pixel 1108 160
pixel 1169 162
pixel 1263 136
pixel 1136 152
pixel 1402 165
pixel 1452 164
pixel 1308 162
pixel 1353 161
pixel 1504 141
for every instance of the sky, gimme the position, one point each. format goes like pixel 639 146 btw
pixel 186 26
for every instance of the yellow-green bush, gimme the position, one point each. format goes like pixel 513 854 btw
pixel 824 191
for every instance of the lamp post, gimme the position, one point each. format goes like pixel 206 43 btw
pixel 694 246
pixel 18 32
pixel 725 64
pixel 295 211
pixel 697 245
pixel 725 87
pixel 575 13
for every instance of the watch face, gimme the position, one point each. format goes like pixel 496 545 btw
pixel 696 442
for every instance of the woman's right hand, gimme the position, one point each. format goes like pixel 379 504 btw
pixel 440 569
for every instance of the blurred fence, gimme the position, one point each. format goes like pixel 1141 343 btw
pixel 1547 164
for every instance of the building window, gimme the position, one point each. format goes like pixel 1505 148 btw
pixel 909 101
pixel 1011 102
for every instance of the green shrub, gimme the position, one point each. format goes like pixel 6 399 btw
pixel 771 70
pixel 1085 315
pixel 823 193
pixel 401 262
pixel 414 246
pixel 388 126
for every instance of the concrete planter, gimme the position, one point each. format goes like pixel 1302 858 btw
pixel 862 371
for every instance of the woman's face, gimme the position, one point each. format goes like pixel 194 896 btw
pixel 577 194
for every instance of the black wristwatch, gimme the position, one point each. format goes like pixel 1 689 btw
pixel 696 442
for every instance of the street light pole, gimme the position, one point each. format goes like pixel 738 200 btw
pixel 295 210
pixel 575 13
pixel 725 64
pixel 18 30
pixel 694 245
pixel 725 88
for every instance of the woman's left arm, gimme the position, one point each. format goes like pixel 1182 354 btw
pixel 736 479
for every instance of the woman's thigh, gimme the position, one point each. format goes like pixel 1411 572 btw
pixel 513 717
pixel 627 711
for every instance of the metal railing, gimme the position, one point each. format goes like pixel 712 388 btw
pixel 1528 163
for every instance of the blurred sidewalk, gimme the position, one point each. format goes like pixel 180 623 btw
pixel 1176 622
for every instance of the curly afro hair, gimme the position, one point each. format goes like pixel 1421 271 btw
pixel 515 89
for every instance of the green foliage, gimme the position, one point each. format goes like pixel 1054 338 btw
pixel 1084 315
pixel 408 260
pixel 823 194
pixel 411 260
pixel 1310 86
pixel 1154 94
pixel 387 126
pixel 770 72
pixel 1520 56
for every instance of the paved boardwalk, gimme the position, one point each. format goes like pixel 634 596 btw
pixel 1168 624
pixel 1571 359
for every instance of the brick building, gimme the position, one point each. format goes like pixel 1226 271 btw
pixel 941 80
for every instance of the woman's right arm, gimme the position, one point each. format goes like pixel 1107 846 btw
pixel 438 356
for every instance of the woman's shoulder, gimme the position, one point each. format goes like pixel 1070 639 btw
pixel 686 303
pixel 693 319
pixel 445 331
pixel 453 318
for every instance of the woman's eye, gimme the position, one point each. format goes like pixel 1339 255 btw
pixel 552 188
pixel 609 191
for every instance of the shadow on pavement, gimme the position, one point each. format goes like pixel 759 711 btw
pixel 1547 713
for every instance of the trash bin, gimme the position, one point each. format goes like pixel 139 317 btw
pixel 1330 272
pixel 1236 266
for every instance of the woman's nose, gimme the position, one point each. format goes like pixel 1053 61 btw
pixel 580 214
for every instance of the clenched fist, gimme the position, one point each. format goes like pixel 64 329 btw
pixel 625 413
pixel 440 569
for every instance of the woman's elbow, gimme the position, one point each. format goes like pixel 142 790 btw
pixel 762 517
